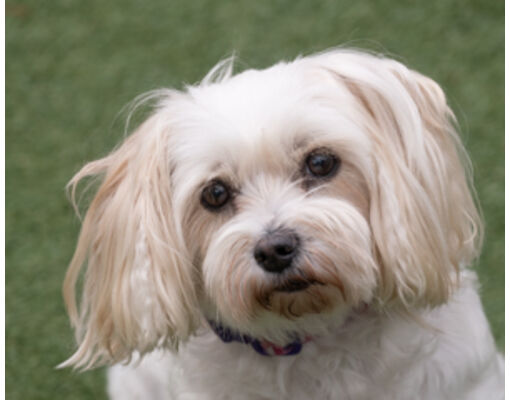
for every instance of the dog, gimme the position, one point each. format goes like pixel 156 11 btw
pixel 299 232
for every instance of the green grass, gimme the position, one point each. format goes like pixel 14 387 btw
pixel 72 65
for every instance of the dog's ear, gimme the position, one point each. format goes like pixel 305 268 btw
pixel 424 220
pixel 138 289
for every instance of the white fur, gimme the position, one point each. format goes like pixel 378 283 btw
pixel 392 311
pixel 373 357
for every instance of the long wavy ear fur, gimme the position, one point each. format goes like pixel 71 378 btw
pixel 138 290
pixel 424 219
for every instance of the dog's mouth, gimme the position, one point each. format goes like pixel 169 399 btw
pixel 295 285
pixel 294 296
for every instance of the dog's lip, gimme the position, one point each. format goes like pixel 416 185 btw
pixel 295 285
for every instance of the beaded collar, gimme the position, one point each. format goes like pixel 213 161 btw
pixel 261 346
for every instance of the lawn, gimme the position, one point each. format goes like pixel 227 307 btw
pixel 72 65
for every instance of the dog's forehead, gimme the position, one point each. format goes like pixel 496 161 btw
pixel 254 102
pixel 261 121
pixel 271 110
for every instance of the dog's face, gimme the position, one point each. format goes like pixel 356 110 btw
pixel 275 202
pixel 271 188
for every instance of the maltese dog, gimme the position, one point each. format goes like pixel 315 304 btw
pixel 298 232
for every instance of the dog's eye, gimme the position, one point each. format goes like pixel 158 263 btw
pixel 322 163
pixel 215 195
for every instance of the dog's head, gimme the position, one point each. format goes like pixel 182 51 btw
pixel 274 201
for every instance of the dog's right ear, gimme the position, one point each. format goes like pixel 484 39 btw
pixel 138 290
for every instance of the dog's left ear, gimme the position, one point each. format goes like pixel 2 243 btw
pixel 138 288
pixel 424 221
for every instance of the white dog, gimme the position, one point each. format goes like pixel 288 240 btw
pixel 299 232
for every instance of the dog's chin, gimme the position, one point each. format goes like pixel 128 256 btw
pixel 296 297
pixel 285 307
pixel 296 311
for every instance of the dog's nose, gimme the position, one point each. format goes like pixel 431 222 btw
pixel 276 250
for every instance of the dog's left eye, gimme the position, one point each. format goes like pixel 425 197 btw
pixel 215 195
pixel 321 163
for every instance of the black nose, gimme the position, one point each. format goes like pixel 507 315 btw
pixel 276 250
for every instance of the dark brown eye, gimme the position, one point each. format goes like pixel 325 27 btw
pixel 321 163
pixel 215 195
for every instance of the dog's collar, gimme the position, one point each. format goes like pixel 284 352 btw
pixel 261 346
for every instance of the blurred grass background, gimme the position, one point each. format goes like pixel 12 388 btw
pixel 72 65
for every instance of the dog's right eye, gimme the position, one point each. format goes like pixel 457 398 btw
pixel 215 195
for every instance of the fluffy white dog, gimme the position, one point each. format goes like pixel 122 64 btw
pixel 299 232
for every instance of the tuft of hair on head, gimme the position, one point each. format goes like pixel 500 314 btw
pixel 221 72
pixel 423 210
pixel 139 285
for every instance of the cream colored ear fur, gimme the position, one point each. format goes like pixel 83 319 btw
pixel 423 216
pixel 138 290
